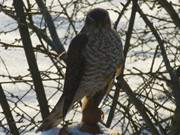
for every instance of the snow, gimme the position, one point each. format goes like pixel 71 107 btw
pixel 53 131
pixel 74 130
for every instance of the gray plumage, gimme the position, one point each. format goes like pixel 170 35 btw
pixel 95 55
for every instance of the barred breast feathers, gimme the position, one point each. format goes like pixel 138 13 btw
pixel 103 53
pixel 104 48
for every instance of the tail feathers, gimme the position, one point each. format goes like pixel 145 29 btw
pixel 50 122
pixel 54 118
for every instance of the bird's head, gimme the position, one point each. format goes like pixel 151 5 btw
pixel 98 17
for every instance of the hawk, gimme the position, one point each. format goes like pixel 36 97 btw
pixel 94 58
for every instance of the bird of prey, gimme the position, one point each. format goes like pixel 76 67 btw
pixel 94 58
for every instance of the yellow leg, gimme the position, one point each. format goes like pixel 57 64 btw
pixel 91 115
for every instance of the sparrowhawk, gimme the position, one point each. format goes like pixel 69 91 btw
pixel 94 58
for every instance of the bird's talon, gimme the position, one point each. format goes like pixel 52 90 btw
pixel 101 113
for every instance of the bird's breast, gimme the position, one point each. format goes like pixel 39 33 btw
pixel 103 54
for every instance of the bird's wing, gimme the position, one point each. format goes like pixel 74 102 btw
pixel 74 72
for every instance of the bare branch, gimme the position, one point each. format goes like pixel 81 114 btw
pixel 23 29
pixel 7 112
pixel 169 8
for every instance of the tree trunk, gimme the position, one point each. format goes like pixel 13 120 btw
pixel 23 29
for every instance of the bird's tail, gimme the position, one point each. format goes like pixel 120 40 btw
pixel 54 118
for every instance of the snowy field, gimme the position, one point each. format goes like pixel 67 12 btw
pixel 13 62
